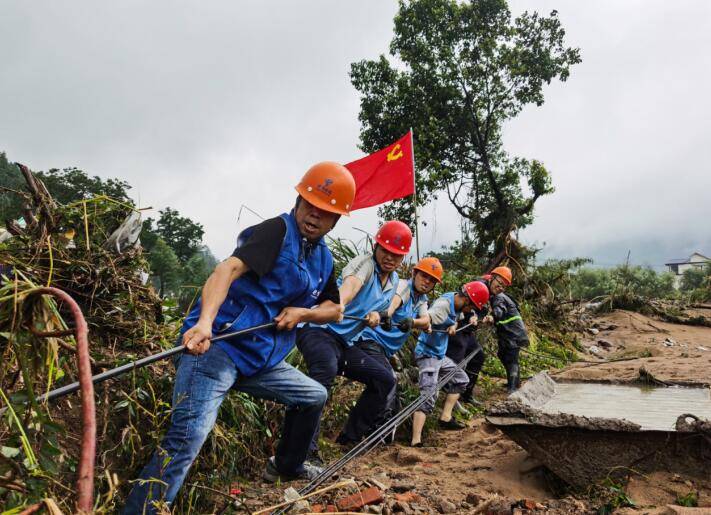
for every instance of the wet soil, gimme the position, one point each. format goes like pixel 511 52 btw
pixel 480 470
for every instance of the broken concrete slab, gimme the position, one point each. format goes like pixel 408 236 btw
pixel 586 431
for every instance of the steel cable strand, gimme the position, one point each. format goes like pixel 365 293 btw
pixel 378 435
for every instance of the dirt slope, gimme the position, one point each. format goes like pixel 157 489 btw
pixel 482 463
pixel 479 470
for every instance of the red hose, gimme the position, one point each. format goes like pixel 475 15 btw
pixel 85 476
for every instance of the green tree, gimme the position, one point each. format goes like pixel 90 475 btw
pixel 180 233
pixel 10 202
pixel 65 186
pixel 194 274
pixel 165 268
pixel 460 70
pixel 641 281
pixel 695 278
pixel 71 184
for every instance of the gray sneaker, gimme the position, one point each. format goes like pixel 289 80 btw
pixel 272 475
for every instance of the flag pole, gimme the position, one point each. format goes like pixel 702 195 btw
pixel 414 181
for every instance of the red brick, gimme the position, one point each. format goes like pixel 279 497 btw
pixel 331 508
pixel 529 504
pixel 371 495
pixel 408 497
pixel 317 508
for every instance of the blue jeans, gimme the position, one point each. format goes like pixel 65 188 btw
pixel 201 384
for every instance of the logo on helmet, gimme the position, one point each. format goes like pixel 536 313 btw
pixel 434 267
pixel 397 240
pixel 325 187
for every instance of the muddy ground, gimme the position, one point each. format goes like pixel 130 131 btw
pixel 479 470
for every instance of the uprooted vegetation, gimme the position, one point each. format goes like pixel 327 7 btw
pixel 89 250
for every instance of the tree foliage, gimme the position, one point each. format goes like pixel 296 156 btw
pixel 180 233
pixel 590 283
pixel 459 71
pixel 696 283
pixel 10 177
pixel 694 278
pixel 173 242
pixel 165 267
pixel 72 184
pixel 66 186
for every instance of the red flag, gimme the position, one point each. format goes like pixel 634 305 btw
pixel 385 175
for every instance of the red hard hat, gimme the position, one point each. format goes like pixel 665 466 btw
pixel 328 186
pixel 478 293
pixel 394 236
pixel 430 266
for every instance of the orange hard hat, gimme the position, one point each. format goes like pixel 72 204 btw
pixel 430 266
pixel 328 186
pixel 478 293
pixel 505 273
pixel 394 236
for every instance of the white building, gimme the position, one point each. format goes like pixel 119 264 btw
pixel 678 266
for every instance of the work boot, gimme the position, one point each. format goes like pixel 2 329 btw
pixel 451 425
pixel 346 443
pixel 272 475
pixel 513 378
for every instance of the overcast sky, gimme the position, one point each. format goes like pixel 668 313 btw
pixel 206 106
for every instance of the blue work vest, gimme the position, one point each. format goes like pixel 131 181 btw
pixel 296 279
pixel 370 297
pixel 434 345
pixel 393 340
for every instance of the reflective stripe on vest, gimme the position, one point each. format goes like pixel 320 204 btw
pixel 508 320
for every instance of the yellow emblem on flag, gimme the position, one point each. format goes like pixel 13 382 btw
pixel 395 153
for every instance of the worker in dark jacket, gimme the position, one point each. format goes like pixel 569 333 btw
pixel 511 334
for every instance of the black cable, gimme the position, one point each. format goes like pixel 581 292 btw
pixel 133 365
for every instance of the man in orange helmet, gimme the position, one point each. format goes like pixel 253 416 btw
pixel 407 311
pixel 282 272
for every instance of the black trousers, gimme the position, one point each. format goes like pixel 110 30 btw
pixel 459 347
pixel 392 402
pixel 508 354
pixel 326 356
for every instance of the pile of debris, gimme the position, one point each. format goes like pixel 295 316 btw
pixel 89 249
